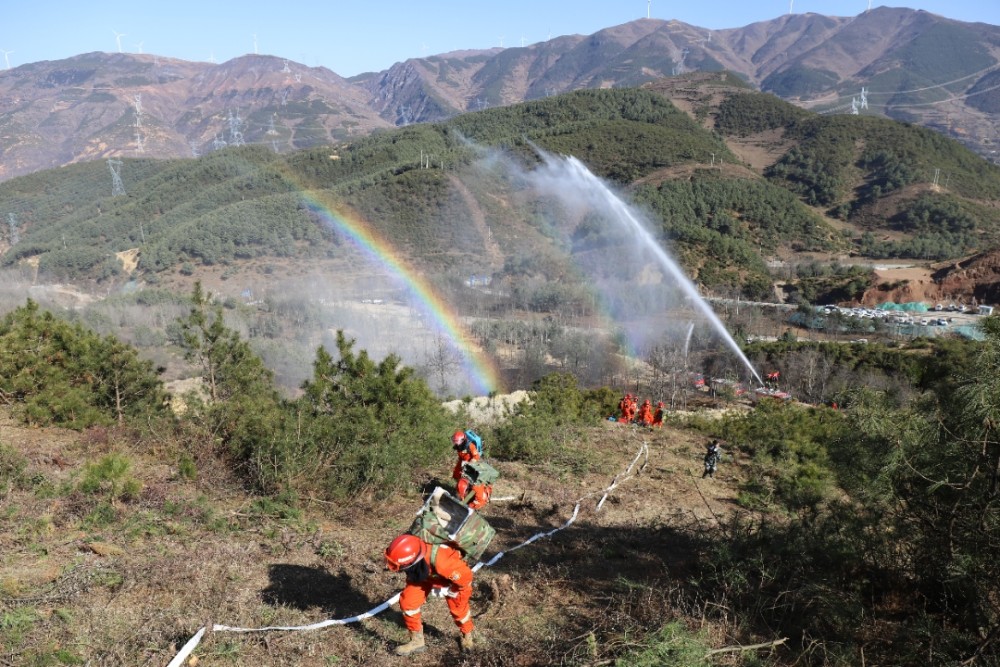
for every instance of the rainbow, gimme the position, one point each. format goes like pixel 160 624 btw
pixel 479 368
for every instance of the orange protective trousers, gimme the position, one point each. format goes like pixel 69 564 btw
pixel 449 571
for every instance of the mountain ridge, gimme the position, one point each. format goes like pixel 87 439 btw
pixel 917 67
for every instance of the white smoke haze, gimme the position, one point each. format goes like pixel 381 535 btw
pixel 580 222
pixel 647 297
pixel 372 306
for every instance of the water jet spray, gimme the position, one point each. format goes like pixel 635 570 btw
pixel 572 183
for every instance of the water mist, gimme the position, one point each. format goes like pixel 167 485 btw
pixel 569 182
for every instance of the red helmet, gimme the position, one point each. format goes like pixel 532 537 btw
pixel 458 438
pixel 403 552
pixel 659 404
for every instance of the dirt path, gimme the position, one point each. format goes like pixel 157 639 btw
pixel 479 220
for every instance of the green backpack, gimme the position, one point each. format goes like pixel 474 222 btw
pixel 480 472
pixel 444 519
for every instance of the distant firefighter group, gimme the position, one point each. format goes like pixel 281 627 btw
pixel 630 412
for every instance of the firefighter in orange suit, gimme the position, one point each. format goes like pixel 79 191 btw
pixel 436 570
pixel 646 413
pixel 658 415
pixel 474 495
pixel 466 450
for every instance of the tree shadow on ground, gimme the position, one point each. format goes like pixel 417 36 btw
pixel 305 588
pixel 333 596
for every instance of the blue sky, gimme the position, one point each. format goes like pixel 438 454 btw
pixel 354 37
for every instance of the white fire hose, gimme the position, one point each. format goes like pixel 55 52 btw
pixel 192 643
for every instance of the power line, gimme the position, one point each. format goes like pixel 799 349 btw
pixel 890 93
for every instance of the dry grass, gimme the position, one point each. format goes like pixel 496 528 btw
pixel 127 582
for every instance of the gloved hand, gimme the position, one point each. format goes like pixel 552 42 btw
pixel 443 592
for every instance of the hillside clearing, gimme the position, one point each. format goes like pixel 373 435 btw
pixel 128 582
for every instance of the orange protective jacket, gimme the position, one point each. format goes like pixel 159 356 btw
pixel 646 414
pixel 658 417
pixel 449 571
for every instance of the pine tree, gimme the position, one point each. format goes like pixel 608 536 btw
pixel 376 422
pixel 55 372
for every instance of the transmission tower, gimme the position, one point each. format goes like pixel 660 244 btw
pixel 194 148
pixel 854 106
pixel 864 97
pixel 117 187
pixel 218 143
pixel 12 226
pixel 138 124
pixel 235 135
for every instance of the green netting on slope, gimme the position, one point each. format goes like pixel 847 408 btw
pixel 972 332
pixel 909 306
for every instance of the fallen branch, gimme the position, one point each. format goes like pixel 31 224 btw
pixel 752 647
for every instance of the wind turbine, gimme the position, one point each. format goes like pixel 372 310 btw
pixel 139 47
pixel 118 38
pixel 649 4
pixel 5 58
pixel 255 43
pixel 791 3
pixel 869 5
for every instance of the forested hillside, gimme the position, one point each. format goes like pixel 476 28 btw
pixel 237 204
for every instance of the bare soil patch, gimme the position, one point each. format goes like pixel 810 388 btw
pixel 914 283
pixel 129 259
pixel 760 150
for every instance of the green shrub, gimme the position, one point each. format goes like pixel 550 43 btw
pixel 541 427
pixel 367 426
pixel 788 444
pixel 672 646
pixel 16 624
pixel 359 426
pixel 109 477
pixel 59 373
